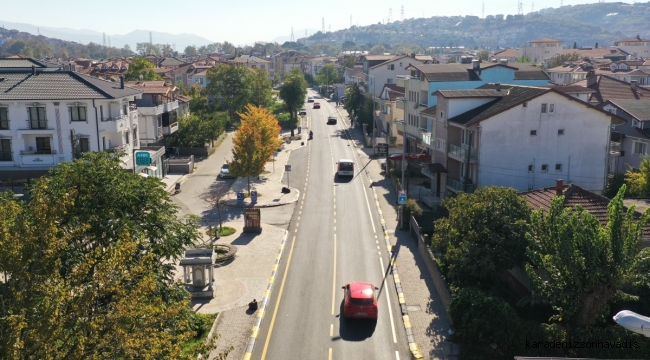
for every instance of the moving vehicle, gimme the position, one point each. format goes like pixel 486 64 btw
pixel 316 105
pixel 345 168
pixel 224 173
pixel 310 99
pixel 331 120
pixel 302 111
pixel 359 301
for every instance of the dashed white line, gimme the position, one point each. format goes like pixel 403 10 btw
pixel 390 310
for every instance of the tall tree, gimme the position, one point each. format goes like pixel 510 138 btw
pixel 293 93
pixel 229 84
pixel 579 266
pixel 254 143
pixel 327 74
pixel 484 233
pixel 140 66
pixel 190 50
pixel 261 88
pixel 354 101
pixel 89 263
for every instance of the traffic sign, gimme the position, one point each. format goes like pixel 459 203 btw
pixel 240 197
pixel 401 200
pixel 254 196
pixel 142 158
pixel 402 193
pixel 287 168
pixel 275 153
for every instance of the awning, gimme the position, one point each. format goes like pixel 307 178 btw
pixel 151 167
pixel 435 168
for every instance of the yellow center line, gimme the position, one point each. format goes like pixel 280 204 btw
pixel 277 304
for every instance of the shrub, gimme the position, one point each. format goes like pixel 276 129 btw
pixel 412 208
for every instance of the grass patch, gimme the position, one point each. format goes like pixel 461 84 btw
pixel 202 326
pixel 264 172
pixel 248 195
pixel 225 231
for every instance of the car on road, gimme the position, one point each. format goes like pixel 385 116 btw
pixel 316 105
pixel 360 301
pixel 224 173
pixel 310 99
pixel 302 111
pixel 345 168
pixel 331 120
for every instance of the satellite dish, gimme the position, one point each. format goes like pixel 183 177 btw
pixel 634 322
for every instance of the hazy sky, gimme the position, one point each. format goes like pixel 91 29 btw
pixel 244 21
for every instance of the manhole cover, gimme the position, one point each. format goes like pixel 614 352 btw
pixel 413 307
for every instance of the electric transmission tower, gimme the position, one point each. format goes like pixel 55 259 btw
pixel 330 26
pixel 520 8
pixel 306 33
pixel 402 12
pixel 350 20
pixel 532 9
pixel 292 38
pixel 109 41
pixel 561 3
pixel 483 11
pixel 390 15
pixel 150 39
pixel 323 25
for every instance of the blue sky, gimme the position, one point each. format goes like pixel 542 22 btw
pixel 242 22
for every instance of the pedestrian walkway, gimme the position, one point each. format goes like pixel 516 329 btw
pixel 269 185
pixel 428 319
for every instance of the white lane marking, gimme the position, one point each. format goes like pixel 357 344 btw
pixel 331 330
pixel 390 310
pixel 372 221
pixel 396 355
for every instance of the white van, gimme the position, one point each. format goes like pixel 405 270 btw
pixel 345 168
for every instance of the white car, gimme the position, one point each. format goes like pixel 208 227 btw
pixel 310 99
pixel 345 168
pixel 224 173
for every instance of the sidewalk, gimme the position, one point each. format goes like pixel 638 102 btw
pixel 269 185
pixel 428 319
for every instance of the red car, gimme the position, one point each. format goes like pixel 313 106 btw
pixel 360 301
pixel 316 105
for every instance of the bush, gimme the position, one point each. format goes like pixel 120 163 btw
pixel 412 208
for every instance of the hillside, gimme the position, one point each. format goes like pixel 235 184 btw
pixel 602 23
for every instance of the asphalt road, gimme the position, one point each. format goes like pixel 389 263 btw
pixel 334 238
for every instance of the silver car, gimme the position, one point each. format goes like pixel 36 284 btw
pixel 224 173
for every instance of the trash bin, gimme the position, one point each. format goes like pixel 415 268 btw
pixel 216 233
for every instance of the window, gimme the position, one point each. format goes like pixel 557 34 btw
pixel 389 81
pixel 125 109
pixel 391 67
pixel 5 150
pixel 639 148
pixel 440 144
pixel 43 145
pixel 636 123
pixel 558 167
pixel 533 133
pixel 126 137
pixel 78 113
pixel 37 118
pixel 544 108
pixel 530 168
pixel 544 167
pixel 525 104
pixel 4 119
pixel 560 131
pixel 135 137
pixel 442 115
pixel 101 112
pixel 551 108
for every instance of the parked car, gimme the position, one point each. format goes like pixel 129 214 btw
pixel 345 168
pixel 359 301
pixel 224 173
pixel 316 105
pixel 331 120
pixel 302 111
pixel 310 99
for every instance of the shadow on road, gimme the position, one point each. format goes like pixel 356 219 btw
pixel 244 239
pixel 342 179
pixel 354 329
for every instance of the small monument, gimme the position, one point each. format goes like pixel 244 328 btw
pixel 252 220
pixel 198 272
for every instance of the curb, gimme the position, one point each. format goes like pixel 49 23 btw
pixel 265 301
pixel 170 188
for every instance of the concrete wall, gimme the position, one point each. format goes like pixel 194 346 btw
pixel 182 165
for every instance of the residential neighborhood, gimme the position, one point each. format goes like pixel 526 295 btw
pixel 332 198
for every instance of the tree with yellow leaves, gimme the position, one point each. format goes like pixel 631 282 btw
pixel 254 143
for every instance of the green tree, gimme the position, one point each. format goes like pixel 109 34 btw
pixel 190 50
pixel 197 129
pixel 293 93
pixel 575 45
pixel 354 101
pixel 261 88
pixel 89 265
pixel 561 59
pixel 484 55
pixel 484 233
pixel 254 143
pixel 348 45
pixel 579 266
pixel 229 85
pixel 349 62
pixel 638 181
pixel 140 66
pixel 523 59
pixel 378 49
pixel 327 74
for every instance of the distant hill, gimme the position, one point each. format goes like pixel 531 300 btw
pixel 84 36
pixel 602 23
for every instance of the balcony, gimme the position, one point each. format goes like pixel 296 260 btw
pixel 615 148
pixel 427 139
pixel 36 127
pixel 38 158
pixel 457 185
pixel 460 153
pixel 159 109
pixel 172 128
pixel 116 124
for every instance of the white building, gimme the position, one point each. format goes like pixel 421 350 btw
pixel 637 47
pixel 51 117
pixel 387 72
pixel 541 50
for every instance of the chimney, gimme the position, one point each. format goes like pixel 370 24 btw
pixel 559 187
pixel 633 85
pixel 591 78
pixel 121 82
pixel 476 64
pixel 498 86
pixel 33 70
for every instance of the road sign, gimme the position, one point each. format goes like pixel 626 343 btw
pixel 142 158
pixel 401 200
pixel 254 196
pixel 275 153
pixel 402 193
pixel 240 197
pixel 287 168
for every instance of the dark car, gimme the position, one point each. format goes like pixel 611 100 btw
pixel 316 105
pixel 331 120
pixel 359 301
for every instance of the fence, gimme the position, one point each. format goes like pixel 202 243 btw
pixel 182 165
pixel 432 266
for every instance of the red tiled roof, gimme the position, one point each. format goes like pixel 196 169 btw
pixel 608 88
pixel 545 40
